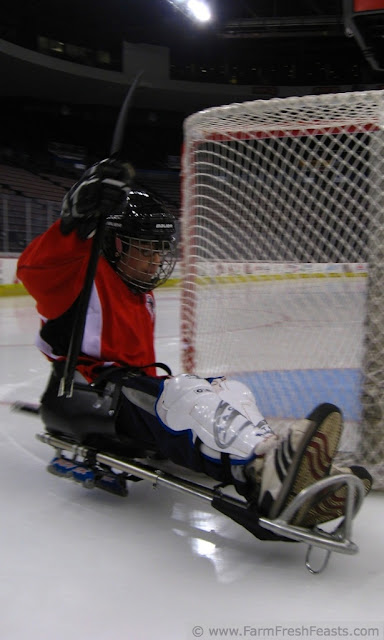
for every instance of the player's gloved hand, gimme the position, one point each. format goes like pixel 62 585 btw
pixel 102 189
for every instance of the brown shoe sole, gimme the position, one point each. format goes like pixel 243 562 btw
pixel 330 504
pixel 316 456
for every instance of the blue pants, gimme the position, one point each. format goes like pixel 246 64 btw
pixel 137 419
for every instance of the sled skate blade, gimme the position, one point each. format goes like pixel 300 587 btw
pixel 243 513
pixel 111 482
pixel 87 474
pixel 61 466
pixel 71 469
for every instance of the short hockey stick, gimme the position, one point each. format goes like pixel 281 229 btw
pixel 66 382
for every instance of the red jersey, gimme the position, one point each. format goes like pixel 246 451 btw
pixel 119 328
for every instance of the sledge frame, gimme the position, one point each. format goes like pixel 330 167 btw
pixel 338 540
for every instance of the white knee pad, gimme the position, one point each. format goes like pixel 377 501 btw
pixel 239 396
pixel 223 415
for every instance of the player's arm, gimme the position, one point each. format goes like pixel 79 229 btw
pixel 52 269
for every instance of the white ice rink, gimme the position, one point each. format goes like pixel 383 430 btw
pixel 157 565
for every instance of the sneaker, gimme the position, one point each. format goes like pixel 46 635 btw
pixel 284 467
pixel 330 503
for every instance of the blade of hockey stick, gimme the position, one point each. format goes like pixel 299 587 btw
pixel 66 382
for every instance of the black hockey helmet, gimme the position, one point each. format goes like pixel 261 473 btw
pixel 140 241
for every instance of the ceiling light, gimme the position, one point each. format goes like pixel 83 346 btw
pixel 197 10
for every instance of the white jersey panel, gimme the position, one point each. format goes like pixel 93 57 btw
pixel 91 344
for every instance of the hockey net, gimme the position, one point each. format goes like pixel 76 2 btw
pixel 283 258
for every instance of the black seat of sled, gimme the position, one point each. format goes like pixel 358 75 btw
pixel 87 417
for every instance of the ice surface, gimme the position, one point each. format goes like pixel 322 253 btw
pixel 157 565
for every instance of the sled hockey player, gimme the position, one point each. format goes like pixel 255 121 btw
pixel 211 426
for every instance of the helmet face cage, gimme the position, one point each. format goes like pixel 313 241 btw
pixel 140 243
pixel 144 264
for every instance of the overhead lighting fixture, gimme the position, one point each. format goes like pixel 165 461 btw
pixel 197 10
pixel 200 10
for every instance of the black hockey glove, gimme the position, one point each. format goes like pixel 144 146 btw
pixel 102 189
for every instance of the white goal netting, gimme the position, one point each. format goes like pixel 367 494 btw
pixel 283 257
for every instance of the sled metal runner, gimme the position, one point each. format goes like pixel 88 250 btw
pixel 338 540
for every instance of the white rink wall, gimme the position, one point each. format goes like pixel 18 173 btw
pixel 8 265
pixel 216 268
